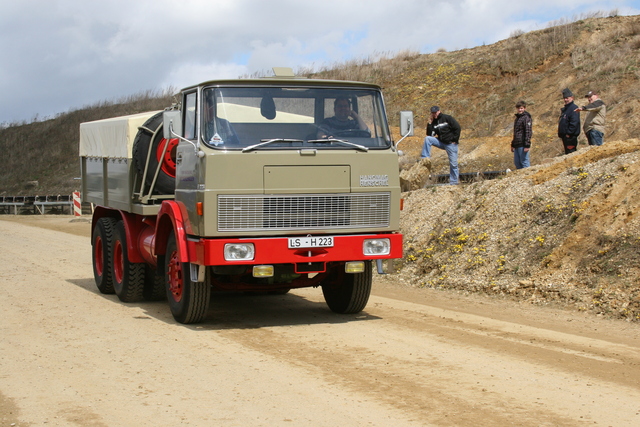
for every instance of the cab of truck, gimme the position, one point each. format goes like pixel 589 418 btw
pixel 282 155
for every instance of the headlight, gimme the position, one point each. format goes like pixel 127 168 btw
pixel 239 251
pixel 377 247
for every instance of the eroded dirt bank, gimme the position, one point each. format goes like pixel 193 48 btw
pixel 562 232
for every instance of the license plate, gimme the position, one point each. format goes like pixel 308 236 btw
pixel 310 242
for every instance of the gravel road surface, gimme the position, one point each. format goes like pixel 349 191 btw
pixel 70 356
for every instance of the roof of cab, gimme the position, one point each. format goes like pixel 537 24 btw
pixel 284 82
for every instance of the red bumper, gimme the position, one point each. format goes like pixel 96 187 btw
pixel 276 251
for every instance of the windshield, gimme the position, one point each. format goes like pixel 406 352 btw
pixel 264 118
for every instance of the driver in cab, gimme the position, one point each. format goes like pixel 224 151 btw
pixel 345 119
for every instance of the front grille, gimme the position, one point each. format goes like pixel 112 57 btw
pixel 303 212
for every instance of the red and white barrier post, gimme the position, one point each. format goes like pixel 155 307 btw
pixel 77 204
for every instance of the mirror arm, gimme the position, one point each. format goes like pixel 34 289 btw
pixel 199 152
pixel 410 132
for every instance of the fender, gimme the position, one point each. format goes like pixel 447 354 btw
pixel 171 218
pixel 133 225
pixel 101 212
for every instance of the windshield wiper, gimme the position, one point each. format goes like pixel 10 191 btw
pixel 269 141
pixel 340 141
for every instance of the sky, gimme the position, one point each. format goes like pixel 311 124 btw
pixel 63 55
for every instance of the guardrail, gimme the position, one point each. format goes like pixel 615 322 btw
pixel 36 204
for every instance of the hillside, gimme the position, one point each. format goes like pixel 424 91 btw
pixel 480 87
pixel 561 232
pixel 41 158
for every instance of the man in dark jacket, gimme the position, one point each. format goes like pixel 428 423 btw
pixel 443 131
pixel 569 123
pixel 522 132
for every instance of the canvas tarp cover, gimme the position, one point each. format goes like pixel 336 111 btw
pixel 111 138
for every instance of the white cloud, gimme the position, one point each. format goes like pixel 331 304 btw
pixel 64 54
pixel 188 74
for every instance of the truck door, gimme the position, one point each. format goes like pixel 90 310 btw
pixel 187 164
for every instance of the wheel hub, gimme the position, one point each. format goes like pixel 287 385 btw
pixel 176 285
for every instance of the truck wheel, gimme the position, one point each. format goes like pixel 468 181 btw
pixel 188 300
pixel 347 293
pixel 150 137
pixel 102 240
pixel 154 289
pixel 128 277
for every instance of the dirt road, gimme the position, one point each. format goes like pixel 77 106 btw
pixel 71 356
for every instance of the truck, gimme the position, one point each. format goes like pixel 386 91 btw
pixel 244 185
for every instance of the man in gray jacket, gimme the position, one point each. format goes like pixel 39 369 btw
pixel 594 122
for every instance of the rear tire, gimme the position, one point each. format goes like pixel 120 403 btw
pixel 348 293
pixel 188 300
pixel 128 277
pixel 101 240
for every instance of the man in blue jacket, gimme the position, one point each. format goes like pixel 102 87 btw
pixel 569 123
pixel 443 131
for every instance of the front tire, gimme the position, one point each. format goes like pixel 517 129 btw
pixel 128 277
pixel 102 240
pixel 188 300
pixel 348 293
pixel 154 289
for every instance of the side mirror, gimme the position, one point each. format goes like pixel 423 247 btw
pixel 406 123
pixel 171 124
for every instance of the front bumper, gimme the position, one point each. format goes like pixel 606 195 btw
pixel 275 250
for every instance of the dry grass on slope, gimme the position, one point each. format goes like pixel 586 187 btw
pixel 561 232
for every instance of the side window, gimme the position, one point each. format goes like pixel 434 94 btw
pixel 190 116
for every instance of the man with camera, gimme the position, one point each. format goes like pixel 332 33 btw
pixel 443 131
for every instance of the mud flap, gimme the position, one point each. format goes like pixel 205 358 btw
pixel 197 272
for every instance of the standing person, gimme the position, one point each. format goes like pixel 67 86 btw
pixel 569 123
pixel 522 132
pixel 594 122
pixel 443 131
